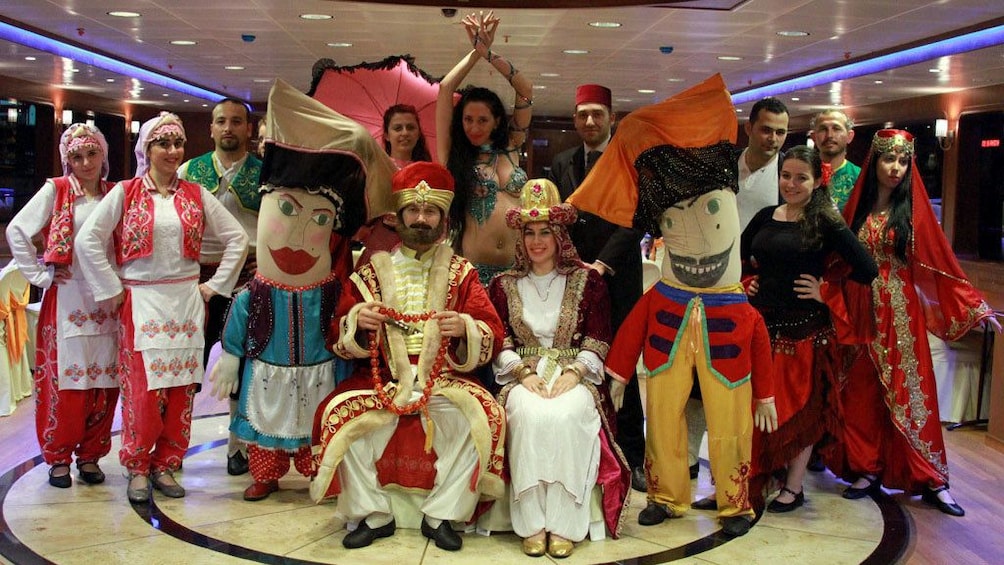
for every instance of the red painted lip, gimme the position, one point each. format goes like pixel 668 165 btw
pixel 293 261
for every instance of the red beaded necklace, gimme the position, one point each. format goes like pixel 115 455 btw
pixel 437 365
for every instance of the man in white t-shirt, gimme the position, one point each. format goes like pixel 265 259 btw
pixel 767 129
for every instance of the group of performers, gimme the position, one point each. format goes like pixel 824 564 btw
pixel 370 377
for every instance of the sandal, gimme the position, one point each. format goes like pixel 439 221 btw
pixel 60 481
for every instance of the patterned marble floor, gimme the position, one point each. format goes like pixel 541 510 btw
pixel 212 524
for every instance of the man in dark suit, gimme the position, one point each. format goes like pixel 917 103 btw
pixel 610 249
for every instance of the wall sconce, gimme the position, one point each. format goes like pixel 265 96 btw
pixel 134 127
pixel 67 117
pixel 946 137
pixel 12 115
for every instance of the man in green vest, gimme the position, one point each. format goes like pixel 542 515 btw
pixel 832 130
pixel 231 173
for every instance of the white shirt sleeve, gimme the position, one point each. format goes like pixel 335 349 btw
pixel 222 225
pixel 90 248
pixel 31 220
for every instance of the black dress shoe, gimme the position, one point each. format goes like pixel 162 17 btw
pixel 930 496
pixel 638 481
pixel 91 477
pixel 695 470
pixel 706 503
pixel 444 536
pixel 365 535
pixel 654 513
pixel 778 507
pixel 237 464
pixel 736 526
pixel 874 487
pixel 60 481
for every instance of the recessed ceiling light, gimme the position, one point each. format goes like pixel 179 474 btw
pixel 795 98
pixel 339 44
pixel 74 70
pixel 793 33
pixel 604 24
pixel 934 70
pixel 186 100
pixel 576 51
pixel 645 91
pixel 261 80
pixel 739 110
pixel 109 80
pixel 205 105
pixel 184 42
pixel 165 95
pixel 30 58
pixel 539 86
pixel 123 14
pixel 550 75
pixel 234 68
pixel 315 16
pixel 729 58
pixel 674 79
pixel 624 100
pixel 879 81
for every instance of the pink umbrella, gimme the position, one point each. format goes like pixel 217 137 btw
pixel 364 91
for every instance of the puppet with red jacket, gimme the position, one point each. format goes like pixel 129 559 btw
pixel 671 169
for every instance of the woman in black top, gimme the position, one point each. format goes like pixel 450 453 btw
pixel 788 248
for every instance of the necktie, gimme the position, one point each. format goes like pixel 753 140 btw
pixel 591 159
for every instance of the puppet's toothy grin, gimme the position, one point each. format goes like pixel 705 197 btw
pixel 701 272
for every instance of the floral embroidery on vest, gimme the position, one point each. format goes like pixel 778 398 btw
pixel 136 228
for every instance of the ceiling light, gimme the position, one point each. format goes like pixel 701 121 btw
pixel 674 79
pixel 539 86
pixel 739 110
pixel 645 91
pixel 60 49
pixel 729 58
pixel 964 43
pixel 165 95
pixel 186 100
pixel 793 33
pixel 123 14
pixel 109 80
pixel 550 75
pixel 934 70
pixel 339 44
pixel 234 68
pixel 184 42
pixel 879 81
pixel 262 80
pixel 315 17
pixel 795 98
pixel 604 24
pixel 30 58
pixel 576 51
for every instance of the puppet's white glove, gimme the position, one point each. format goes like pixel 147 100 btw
pixel 224 376
pixel 765 415
pixel 617 394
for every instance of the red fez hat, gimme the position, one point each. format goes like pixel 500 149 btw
pixel 593 94
pixel 422 182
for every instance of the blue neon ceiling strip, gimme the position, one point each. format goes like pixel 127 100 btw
pixel 969 42
pixel 58 48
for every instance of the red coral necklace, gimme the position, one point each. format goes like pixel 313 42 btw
pixel 437 365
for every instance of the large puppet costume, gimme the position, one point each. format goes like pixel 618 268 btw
pixel 412 419
pixel 560 445
pixel 317 167
pixel 671 168
pixel 892 430
pixel 76 375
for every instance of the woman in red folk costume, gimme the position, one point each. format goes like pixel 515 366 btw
pixel 892 428
pixel 76 379
pixel 557 317
pixel 157 221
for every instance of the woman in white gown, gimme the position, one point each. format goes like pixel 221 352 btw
pixel 557 316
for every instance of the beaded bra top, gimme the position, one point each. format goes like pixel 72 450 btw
pixel 486 187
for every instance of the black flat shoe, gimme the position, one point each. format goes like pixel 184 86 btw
pixel 930 496
pixel 654 513
pixel 706 503
pixel 91 477
pixel 695 469
pixel 444 536
pixel 365 535
pixel 736 526
pixel 60 481
pixel 781 507
pixel 237 464
pixel 638 481
pixel 874 487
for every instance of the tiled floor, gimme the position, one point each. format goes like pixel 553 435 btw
pixel 95 524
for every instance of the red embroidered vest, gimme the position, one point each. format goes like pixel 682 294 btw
pixel 58 236
pixel 134 235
